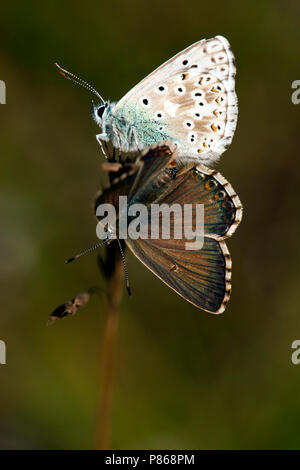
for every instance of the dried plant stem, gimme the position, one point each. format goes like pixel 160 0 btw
pixel 113 270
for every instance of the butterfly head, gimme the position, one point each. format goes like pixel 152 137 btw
pixel 98 112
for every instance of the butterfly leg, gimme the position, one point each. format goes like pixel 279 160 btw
pixel 133 135
pixel 99 138
pixel 116 134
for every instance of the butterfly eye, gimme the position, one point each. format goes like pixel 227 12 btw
pixel 100 111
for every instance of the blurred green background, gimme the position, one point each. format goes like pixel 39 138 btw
pixel 185 379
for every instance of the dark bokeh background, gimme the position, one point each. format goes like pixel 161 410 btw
pixel 185 379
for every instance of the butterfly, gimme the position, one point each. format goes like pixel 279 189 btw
pixel 189 100
pixel 202 277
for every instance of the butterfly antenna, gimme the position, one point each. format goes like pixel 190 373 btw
pixel 125 268
pixel 88 250
pixel 70 76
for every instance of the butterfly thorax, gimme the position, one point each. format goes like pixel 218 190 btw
pixel 130 129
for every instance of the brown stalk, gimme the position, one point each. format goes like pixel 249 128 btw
pixel 113 270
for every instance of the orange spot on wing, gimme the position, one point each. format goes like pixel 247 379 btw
pixel 172 164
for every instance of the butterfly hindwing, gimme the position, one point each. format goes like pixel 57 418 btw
pixel 201 277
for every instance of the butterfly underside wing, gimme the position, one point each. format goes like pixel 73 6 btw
pixel 190 100
pixel 202 277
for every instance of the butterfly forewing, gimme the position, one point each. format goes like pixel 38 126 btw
pixel 190 99
pixel 196 185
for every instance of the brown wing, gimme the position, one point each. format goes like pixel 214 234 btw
pixel 198 185
pixel 201 277
pixel 133 178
